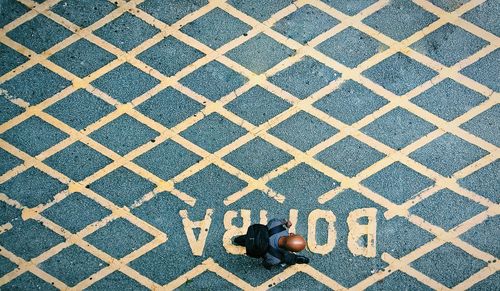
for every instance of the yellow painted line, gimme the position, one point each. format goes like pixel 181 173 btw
pixel 260 131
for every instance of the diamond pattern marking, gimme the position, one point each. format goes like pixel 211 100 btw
pixel 485 181
pixel 350 102
pixel 216 28
pixel 77 161
pixel 349 156
pixel 398 281
pixel 171 11
pixel 76 212
pixel 305 24
pixel 398 128
pixel 447 209
pixel 39 34
pixel 301 279
pixel 11 9
pixel 72 265
pixel 6 266
pixel 126 238
pixel 448 265
pixel 156 263
pixel 257 158
pixel 203 281
pixel 356 268
pixel 82 58
pixel 397 182
pixel 214 80
pixel 399 73
pixel 70 111
pixel 485 71
pixel 303 131
pixel 126 32
pixel 402 237
pixel 257 105
pixel 29 239
pixel 400 19
pixel 167 160
pixel 210 186
pixel 124 134
pixel 485 236
pixel 8 161
pixel 31 87
pixel 260 53
pixel 161 211
pixel 447 154
pixel 118 281
pixel 349 7
pixel 490 283
pixel 485 16
pixel 449 5
pixel 351 47
pixel 449 44
pixel 302 184
pixel 260 9
pixel 28 281
pixel 304 78
pixel 125 83
pixel 33 136
pixel 32 187
pixel 161 264
pixel 486 125
pixel 83 13
pixel 213 132
pixel 122 187
pixel 170 55
pixel 29 83
pixel 9 59
pixel 8 110
pixel 169 107
pixel 448 99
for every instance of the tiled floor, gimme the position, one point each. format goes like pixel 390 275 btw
pixel 132 133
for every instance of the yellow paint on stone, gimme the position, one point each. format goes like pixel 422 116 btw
pixel 197 244
pixel 313 218
pixel 233 231
pixel 357 230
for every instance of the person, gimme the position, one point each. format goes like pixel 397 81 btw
pixel 282 245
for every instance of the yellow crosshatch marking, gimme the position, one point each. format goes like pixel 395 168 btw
pixel 402 264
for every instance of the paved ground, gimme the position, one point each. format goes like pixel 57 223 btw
pixel 138 137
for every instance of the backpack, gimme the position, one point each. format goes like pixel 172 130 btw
pixel 257 239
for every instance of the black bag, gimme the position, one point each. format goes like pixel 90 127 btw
pixel 257 239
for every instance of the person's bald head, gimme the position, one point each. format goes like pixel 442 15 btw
pixel 295 243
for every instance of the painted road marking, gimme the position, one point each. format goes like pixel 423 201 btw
pixel 261 131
